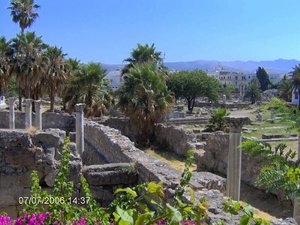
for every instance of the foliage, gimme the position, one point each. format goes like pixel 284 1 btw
pixel 288 113
pixel 227 90
pixel 285 89
pixel 5 65
pixel 192 84
pixel 234 207
pixel 253 91
pixel 145 99
pixel 280 173
pixel 56 73
pixel 263 77
pixel 87 85
pixel 133 205
pixel 217 121
pixel 143 54
pixel 28 61
pixel 22 12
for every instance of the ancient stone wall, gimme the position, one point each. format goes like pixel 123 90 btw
pixel 20 154
pixel 105 179
pixel 174 138
pixel 215 157
pixel 63 121
pixel 115 147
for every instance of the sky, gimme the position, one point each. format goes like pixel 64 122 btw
pixel 106 31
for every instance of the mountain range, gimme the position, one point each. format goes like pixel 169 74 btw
pixel 278 66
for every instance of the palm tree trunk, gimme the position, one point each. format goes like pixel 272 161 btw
pixel 52 99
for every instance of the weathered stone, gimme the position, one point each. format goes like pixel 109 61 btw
pixel 49 138
pixel 109 174
pixel 174 138
pixel 14 139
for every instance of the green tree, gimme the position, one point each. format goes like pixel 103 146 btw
pixel 29 61
pixel 23 12
pixel 285 88
pixel 192 84
pixel 263 78
pixel 253 91
pixel 296 82
pixel 217 121
pixel 228 90
pixel 143 54
pixel 5 65
pixel 56 73
pixel 89 86
pixel 144 98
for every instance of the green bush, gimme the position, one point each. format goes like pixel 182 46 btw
pixel 217 120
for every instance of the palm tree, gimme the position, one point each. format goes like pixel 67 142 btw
pixel 88 86
pixel 29 61
pixel 73 66
pixel 296 82
pixel 145 99
pixel 23 12
pixel 56 73
pixel 142 54
pixel 5 65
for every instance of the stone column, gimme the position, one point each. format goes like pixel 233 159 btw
pixel 296 211
pixel 233 183
pixel 28 113
pixel 38 114
pixel 242 92
pixel 80 128
pixel 11 102
pixel 224 99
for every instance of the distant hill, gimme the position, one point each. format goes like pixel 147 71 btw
pixel 273 67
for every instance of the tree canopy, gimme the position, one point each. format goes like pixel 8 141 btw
pixel 263 78
pixel 23 12
pixel 192 84
pixel 144 98
pixel 143 54
pixel 87 85
pixel 253 91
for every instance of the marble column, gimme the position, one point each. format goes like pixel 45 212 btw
pixel 80 127
pixel 234 165
pixel 28 113
pixel 296 211
pixel 11 102
pixel 38 114
pixel 224 99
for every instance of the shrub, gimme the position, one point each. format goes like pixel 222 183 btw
pixel 217 120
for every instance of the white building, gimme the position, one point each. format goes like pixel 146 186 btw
pixel 2 102
pixel 295 96
pixel 115 78
pixel 234 78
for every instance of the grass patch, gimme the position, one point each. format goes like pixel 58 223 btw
pixel 170 158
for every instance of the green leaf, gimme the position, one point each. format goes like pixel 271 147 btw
pixel 143 217
pixel 175 214
pixel 249 210
pixel 127 190
pixel 245 220
pixel 125 215
pixel 155 188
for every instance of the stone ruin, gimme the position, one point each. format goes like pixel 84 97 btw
pixel 107 159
